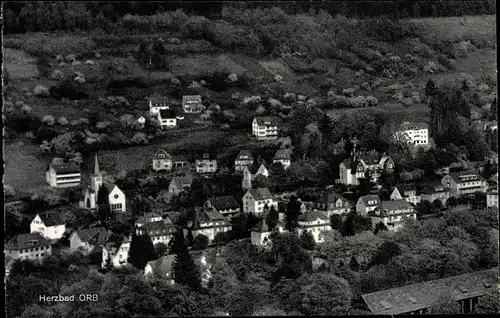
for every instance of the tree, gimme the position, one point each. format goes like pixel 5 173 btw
pixel 353 264
pixel 356 223
pixel 185 271
pixel 437 205
pixel 161 249
pixel 424 207
pixel 272 217
pixel 336 222
pixel 307 240
pixel 430 88
pixel 451 202
pixel 385 253
pixel 292 213
pixel 379 227
pixel 200 242
pixel 141 251
pixel 416 10
pixel 488 304
pixel 293 261
pixel 445 305
pixel 102 195
pixel 260 181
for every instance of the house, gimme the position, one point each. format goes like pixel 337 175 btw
pixel 283 156
pixel 255 200
pixel 367 204
pixel 364 166
pixel 434 191
pixel 161 268
pixel 261 232
pixel 393 213
pixel 179 184
pixel 50 225
pixel 162 161
pixel 225 205
pixel 315 223
pixel 191 104
pixel 243 159
pixel 116 251
pixel 419 298
pixel 158 231
pixel 250 173
pixel 492 199
pixel 31 246
pixel 209 222
pixel 117 199
pixel 63 175
pixel 85 240
pixel 149 217
pixel 167 118
pixel 206 163
pixel 464 183
pixel 332 203
pixel 265 128
pixel 157 103
pixel 412 133
pixel 406 192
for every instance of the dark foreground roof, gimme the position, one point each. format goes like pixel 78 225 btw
pixel 26 241
pixel 415 297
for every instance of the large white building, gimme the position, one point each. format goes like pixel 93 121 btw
pixel 243 159
pixel 255 200
pixel 50 225
pixel 192 104
pixel 393 213
pixel 265 128
pixel 360 166
pixel 32 246
pixel 63 175
pixel 210 222
pixel 206 163
pixel 413 133
pixel 167 118
pixel 315 223
pixel 464 183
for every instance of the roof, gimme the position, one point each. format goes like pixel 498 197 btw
pixel 156 99
pixel 419 296
pixel 27 240
pixel 396 205
pixel 370 158
pixel 310 216
pixel 163 265
pixel 162 152
pixel 206 156
pixel 209 215
pixel 115 241
pixel 244 154
pixel 159 228
pixel 413 126
pixel 65 168
pixel 261 227
pixel 191 99
pixel 94 235
pixel 282 154
pixel 368 198
pixel 51 218
pixel 465 176
pixel 434 187
pixel 331 197
pixel 181 182
pixel 256 166
pixel 261 194
pixel 167 113
pixel 267 121
pixel 224 203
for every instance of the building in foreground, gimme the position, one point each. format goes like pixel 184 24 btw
pixel 32 246
pixel 418 298
pixel 162 161
pixel 192 104
pixel 228 206
pixel 243 159
pixel 284 157
pixel 393 214
pixel 255 200
pixel 315 223
pixel 50 225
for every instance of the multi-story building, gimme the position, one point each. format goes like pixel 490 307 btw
pixel 209 222
pixel 159 231
pixel 434 191
pixel 413 133
pixel 116 251
pixel 243 159
pixel 492 199
pixel 191 104
pixel 367 204
pixel 157 103
pixel 207 163
pixel 50 225
pixel 167 118
pixel 283 156
pixel 31 246
pixel 255 200
pixel 464 183
pixel 315 223
pixel 63 175
pixel 406 192
pixel 226 205
pixel 162 161
pixel 364 166
pixel 393 213
pixel 332 203
pixel 265 128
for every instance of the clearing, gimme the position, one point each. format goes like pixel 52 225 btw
pixel 20 64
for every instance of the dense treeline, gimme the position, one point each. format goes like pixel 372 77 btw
pixel 25 16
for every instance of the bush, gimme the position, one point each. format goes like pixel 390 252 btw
pixel 200 242
pixel 48 119
pixel 139 138
pixel 57 75
pixel 41 91
pixel 446 62
pixel 67 89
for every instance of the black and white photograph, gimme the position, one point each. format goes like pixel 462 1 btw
pixel 250 158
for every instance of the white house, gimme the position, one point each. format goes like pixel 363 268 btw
pixel 85 240
pixel 265 128
pixel 407 193
pixel 116 250
pixel 63 175
pixel 315 223
pixel 243 159
pixel 250 173
pixel 255 200
pixel 117 200
pixel 50 225
pixel 162 161
pixel 191 104
pixel 283 156
pixel 31 246
pixel 492 199
pixel 332 203
pixel 413 133
pixel 367 203
pixel 157 103
pixel 210 222
pixel 393 213
pixel 261 232
pixel 167 118
pixel 464 183
pixel 367 166
pixel 207 163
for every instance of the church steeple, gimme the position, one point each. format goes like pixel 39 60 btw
pixel 96 178
pixel 96 166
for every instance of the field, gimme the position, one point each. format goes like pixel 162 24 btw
pixel 199 65
pixel 20 64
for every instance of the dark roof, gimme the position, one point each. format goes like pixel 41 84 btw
pixel 167 113
pixel 466 176
pixel 267 121
pixel 310 216
pixel 367 198
pixel 206 156
pixel 224 203
pixel 282 154
pixel 65 167
pixel 163 265
pixel 158 228
pixel 162 152
pixel 181 182
pixel 420 296
pixel 434 187
pixel 396 205
pixel 261 227
pixel 209 215
pixel 27 240
pixel 261 194
pixel 245 153
pixel 191 99
pixel 115 241
pixel 413 126
pixel 255 167
pixel 331 197
pixel 94 235
pixel 51 218
pixel 156 99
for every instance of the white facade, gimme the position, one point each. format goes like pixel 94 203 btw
pixel 167 122
pixel 316 228
pixel 492 200
pixel 119 257
pixel 117 200
pixel 393 214
pixel 34 253
pixel 284 162
pixel 156 106
pixel 464 184
pixel 50 232
pixel 256 206
pixel 206 165
pixel 62 180
pixel 265 131
pixel 414 134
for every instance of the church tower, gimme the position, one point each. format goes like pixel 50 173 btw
pixel 96 178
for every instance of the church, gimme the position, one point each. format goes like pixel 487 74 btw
pixel 116 197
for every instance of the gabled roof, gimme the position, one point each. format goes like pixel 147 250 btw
pixel 224 203
pixel 210 215
pixel 94 235
pixel 367 198
pixel 159 228
pixel 51 218
pixel 282 154
pixel 331 197
pixel 267 121
pixel 191 99
pixel 156 99
pixel 115 241
pixel 182 182
pixel 167 113
pixel 65 168
pixel 261 227
pixel 26 241
pixel 413 126
pixel 162 152
pixel 244 155
pixel 256 166
pixel 311 216
pixel 163 265
pixel 206 156
pixel 422 295
pixel 434 187
pixel 261 194
pixel 396 205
